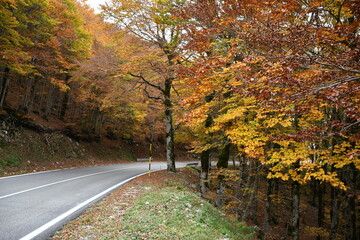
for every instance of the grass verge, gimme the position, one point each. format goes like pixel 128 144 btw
pixel 173 213
pixel 163 206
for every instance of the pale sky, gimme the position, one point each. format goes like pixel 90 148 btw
pixel 95 4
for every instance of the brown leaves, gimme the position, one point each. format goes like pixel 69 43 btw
pixel 280 71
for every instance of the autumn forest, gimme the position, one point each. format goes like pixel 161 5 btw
pixel 273 86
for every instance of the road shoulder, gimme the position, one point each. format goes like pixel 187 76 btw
pixel 109 218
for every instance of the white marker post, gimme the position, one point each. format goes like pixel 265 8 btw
pixel 150 159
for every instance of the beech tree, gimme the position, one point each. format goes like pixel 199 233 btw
pixel 292 70
pixel 153 22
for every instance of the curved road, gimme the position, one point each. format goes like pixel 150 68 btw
pixel 34 206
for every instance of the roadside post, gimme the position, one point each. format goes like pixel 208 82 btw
pixel 150 158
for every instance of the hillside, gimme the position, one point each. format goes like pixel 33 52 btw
pixel 27 145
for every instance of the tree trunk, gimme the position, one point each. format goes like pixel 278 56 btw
pixel 253 196
pixel 205 167
pixel 334 212
pixel 42 95
pixel 254 200
pixel 242 169
pixel 33 94
pixel 245 187
pixel 49 101
pixel 350 218
pixel 219 201
pixel 350 203
pixel 203 182
pixel 73 112
pixel 27 103
pixel 170 156
pixel 205 157
pixel 294 224
pixel 4 87
pixel 65 101
pixel 224 156
pixel 314 189
pixel 97 121
pixel 321 193
pixel 205 161
pixel 64 105
pixel 268 205
pixel 22 107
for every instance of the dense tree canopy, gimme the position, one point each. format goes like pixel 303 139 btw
pixel 59 60
pixel 283 78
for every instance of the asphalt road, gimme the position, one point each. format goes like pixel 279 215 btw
pixel 34 206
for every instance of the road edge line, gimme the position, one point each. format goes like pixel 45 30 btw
pixel 73 210
pixel 62 181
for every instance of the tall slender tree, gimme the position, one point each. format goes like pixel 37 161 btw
pixel 154 23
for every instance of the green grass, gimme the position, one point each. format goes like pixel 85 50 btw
pixel 163 206
pixel 173 213
pixel 11 161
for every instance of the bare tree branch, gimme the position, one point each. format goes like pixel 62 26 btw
pixel 151 97
pixel 349 126
pixel 177 126
pixel 329 85
pixel 177 93
pixel 147 82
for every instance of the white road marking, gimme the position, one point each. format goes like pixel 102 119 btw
pixel 73 210
pixel 32 173
pixel 66 180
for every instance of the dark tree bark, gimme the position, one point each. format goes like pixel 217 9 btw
pixel 49 101
pixel 64 105
pixel 314 190
pixel 4 87
pixel 205 156
pixel 242 169
pixel 269 206
pixel 224 156
pixel 294 224
pixel 320 205
pixel 334 212
pixel 65 101
pixel 252 195
pixel 245 186
pixel 350 218
pixel 350 203
pixel 33 92
pixel 220 199
pixel 205 161
pixel 97 121
pixel 170 155
pixel 26 105
pixel 205 168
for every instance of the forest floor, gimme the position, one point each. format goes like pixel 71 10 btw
pixel 163 205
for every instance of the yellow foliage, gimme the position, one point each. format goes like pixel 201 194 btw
pixel 344 154
pixel 317 231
